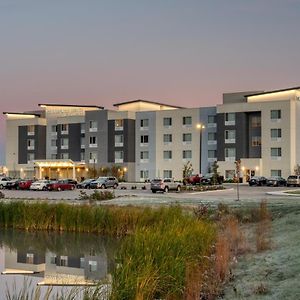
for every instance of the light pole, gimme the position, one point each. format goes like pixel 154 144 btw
pixel 200 127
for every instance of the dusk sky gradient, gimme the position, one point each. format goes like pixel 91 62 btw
pixel 183 53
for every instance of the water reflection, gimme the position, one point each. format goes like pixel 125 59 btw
pixel 58 258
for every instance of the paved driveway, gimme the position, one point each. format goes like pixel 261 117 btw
pixel 248 195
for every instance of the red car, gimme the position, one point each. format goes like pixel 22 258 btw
pixel 24 184
pixel 193 179
pixel 60 185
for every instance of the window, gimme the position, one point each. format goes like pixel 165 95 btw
pixel 255 122
pixel 54 130
pixel 229 136
pixel 212 136
pixel 187 121
pixel 93 157
pixel 275 134
pixel 93 126
pixel 187 138
pixel 167 122
pixel 144 174
pixel 82 142
pixel 53 260
pixel 53 144
pixel 119 140
pixel 30 130
pixel 187 154
pixel 275 114
pixel 144 123
pixel 82 158
pixel 64 142
pixel 29 258
pixel 276 173
pixel 93 141
pixel 256 141
pixel 82 127
pixel 212 154
pixel 64 128
pixel 30 157
pixel 119 124
pixel 92 266
pixel 229 118
pixel 211 119
pixel 64 261
pixel 168 154
pixel 167 138
pixel 64 155
pixel 229 154
pixel 144 156
pixel 30 144
pixel 275 153
pixel 144 139
pixel 119 156
pixel 167 173
pixel 53 156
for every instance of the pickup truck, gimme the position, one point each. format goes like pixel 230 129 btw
pixel 165 185
pixel 3 182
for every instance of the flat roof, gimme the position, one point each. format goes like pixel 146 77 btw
pixel 20 113
pixel 274 91
pixel 146 101
pixel 70 105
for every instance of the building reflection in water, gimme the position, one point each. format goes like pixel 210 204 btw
pixel 60 259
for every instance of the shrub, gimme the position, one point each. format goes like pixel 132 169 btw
pixel 2 196
pixel 96 195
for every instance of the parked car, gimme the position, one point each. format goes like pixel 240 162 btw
pixel 3 182
pixel 60 185
pixel 293 180
pixel 13 184
pixel 25 184
pixel 73 181
pixel 165 185
pixel 193 179
pixel 276 181
pixel 209 179
pixel 86 184
pixel 104 182
pixel 257 181
pixel 40 185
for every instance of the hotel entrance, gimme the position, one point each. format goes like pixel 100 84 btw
pixel 59 169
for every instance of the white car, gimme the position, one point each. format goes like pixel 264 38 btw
pixel 40 185
pixel 3 182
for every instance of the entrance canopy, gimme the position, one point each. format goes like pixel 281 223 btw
pixel 54 163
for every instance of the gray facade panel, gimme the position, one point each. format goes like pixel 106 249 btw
pixel 22 145
pixel 221 137
pixel 254 131
pixel 39 138
pixel 242 138
pixel 205 112
pixel 102 135
pixel 129 140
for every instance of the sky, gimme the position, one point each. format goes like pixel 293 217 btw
pixel 180 52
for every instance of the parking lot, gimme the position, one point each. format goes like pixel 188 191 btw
pixel 139 196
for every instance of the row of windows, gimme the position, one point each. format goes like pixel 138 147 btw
pixel 144 174
pixel 186 154
pixel 231 152
pixel 232 173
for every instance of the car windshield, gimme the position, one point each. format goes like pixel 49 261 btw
pixel 156 180
pixel 292 177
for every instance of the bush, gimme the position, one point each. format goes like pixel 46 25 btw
pixel 96 195
pixel 2 196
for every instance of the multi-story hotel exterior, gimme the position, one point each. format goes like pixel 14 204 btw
pixel 148 139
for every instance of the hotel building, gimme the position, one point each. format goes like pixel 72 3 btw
pixel 148 139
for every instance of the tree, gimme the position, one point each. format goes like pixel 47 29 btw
pixel 104 171
pixel 297 169
pixel 237 175
pixel 115 171
pixel 215 176
pixel 187 170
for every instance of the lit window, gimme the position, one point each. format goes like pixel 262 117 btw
pixel 119 124
pixel 256 141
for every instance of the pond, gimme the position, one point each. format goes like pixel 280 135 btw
pixel 62 261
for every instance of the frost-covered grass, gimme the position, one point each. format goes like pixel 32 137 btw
pixel 275 273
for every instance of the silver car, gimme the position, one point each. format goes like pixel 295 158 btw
pixel 104 182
